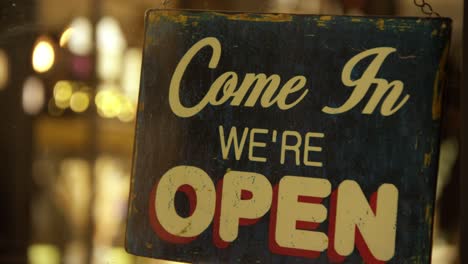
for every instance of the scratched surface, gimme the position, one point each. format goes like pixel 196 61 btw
pixel 401 149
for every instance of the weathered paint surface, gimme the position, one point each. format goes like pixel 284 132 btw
pixel 371 149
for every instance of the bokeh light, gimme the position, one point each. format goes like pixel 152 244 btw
pixel 63 91
pixel 33 95
pixel 110 47
pixel 131 73
pixel 66 35
pixel 81 38
pixel 43 57
pixel 127 111
pixel 111 103
pixel 108 103
pixel 43 254
pixel 4 69
pixel 79 102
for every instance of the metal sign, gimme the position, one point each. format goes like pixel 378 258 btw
pixel 276 138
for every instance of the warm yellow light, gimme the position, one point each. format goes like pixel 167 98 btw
pixel 109 36
pixel 62 93
pixel 110 45
pixel 65 37
pixel 116 255
pixel 131 73
pixel 121 256
pixel 127 112
pixel 79 102
pixel 4 69
pixel 100 97
pixel 81 38
pixel 43 254
pixel 111 106
pixel 62 104
pixel 109 103
pixel 43 56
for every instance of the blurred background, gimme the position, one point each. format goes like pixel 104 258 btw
pixel 69 81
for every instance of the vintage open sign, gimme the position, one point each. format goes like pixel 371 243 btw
pixel 284 138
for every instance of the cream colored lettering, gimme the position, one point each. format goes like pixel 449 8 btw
pixel 232 141
pixel 224 87
pixel 308 148
pixel 297 209
pixel 165 208
pixel 270 84
pixel 295 84
pixel 254 144
pixel 227 81
pixel 291 211
pixel 362 85
pixel 234 209
pixel 174 92
pixel 295 148
pixel 377 227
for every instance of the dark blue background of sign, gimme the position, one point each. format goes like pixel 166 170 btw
pixel 401 149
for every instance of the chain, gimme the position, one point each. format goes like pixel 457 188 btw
pixel 164 4
pixel 426 8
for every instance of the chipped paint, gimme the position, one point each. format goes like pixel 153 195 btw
pixel 258 17
pixel 404 27
pixel 326 18
pixel 323 21
pixel 154 17
pixel 427 159
pixel 185 229
pixel 381 24
pixel 184 19
pixel 178 17
pixel 181 19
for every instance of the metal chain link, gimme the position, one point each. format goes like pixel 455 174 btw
pixel 425 7
pixel 164 4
